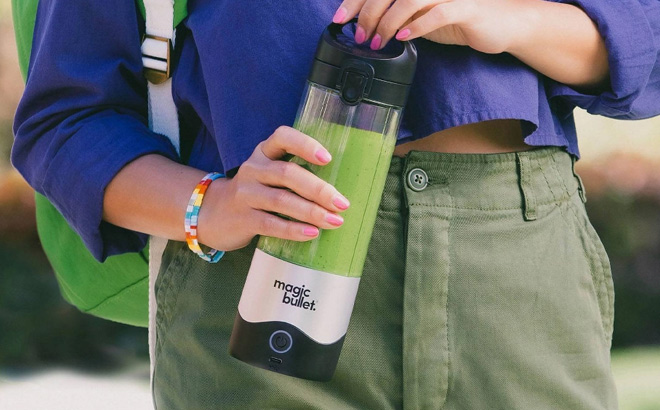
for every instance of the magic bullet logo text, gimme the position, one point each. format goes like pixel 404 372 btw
pixel 297 296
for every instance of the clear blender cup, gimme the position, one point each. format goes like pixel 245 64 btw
pixel 298 297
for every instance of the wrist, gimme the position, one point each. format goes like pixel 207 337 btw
pixel 191 221
pixel 526 19
pixel 209 213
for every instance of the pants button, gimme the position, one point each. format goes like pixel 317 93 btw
pixel 417 179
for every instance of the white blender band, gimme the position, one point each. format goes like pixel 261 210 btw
pixel 318 303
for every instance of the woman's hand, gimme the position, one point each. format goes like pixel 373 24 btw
pixel 234 209
pixel 489 26
pixel 237 209
pixel 558 40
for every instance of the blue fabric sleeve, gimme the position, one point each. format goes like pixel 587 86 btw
pixel 82 116
pixel 631 31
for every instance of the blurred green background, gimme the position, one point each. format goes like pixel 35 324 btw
pixel 620 168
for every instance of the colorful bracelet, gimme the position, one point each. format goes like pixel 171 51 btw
pixel 192 213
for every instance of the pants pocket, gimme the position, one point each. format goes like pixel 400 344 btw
pixel 601 272
pixel 171 277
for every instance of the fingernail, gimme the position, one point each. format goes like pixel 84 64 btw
pixel 333 219
pixel 310 231
pixel 323 155
pixel 341 202
pixel 401 35
pixel 360 35
pixel 339 15
pixel 375 42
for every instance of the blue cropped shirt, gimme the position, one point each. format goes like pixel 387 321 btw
pixel 240 74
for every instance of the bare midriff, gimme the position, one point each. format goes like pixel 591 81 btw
pixel 488 137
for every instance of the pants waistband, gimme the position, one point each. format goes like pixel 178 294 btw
pixel 528 180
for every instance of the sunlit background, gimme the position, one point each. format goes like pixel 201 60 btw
pixel 52 356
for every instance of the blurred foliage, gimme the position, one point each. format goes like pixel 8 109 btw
pixel 623 188
pixel 630 230
pixel 6 139
pixel 36 326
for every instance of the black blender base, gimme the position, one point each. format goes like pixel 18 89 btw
pixel 283 348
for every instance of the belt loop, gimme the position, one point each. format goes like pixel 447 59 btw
pixel 581 191
pixel 524 180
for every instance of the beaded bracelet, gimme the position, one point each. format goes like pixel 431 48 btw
pixel 192 213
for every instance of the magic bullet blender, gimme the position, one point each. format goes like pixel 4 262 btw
pixel 298 296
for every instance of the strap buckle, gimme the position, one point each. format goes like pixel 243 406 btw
pixel 156 58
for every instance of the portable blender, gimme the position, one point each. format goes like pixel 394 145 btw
pixel 298 296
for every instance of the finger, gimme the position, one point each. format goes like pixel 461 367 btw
pixel 287 140
pixel 439 16
pixel 370 15
pixel 272 225
pixel 304 183
pixel 347 10
pixel 395 17
pixel 289 204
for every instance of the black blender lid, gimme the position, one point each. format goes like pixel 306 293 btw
pixel 358 71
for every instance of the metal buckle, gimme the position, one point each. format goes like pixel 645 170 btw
pixel 156 66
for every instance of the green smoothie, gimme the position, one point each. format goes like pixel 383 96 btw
pixel 358 170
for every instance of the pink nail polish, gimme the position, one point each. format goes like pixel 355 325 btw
pixel 309 231
pixel 335 220
pixel 375 42
pixel 340 14
pixel 401 35
pixel 360 35
pixel 341 202
pixel 323 156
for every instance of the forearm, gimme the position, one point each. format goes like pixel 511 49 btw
pixel 561 42
pixel 150 195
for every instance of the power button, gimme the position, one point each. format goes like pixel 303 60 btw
pixel 280 341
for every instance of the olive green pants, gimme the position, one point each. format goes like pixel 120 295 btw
pixel 485 287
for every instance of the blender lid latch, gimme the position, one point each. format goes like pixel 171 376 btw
pixel 355 81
